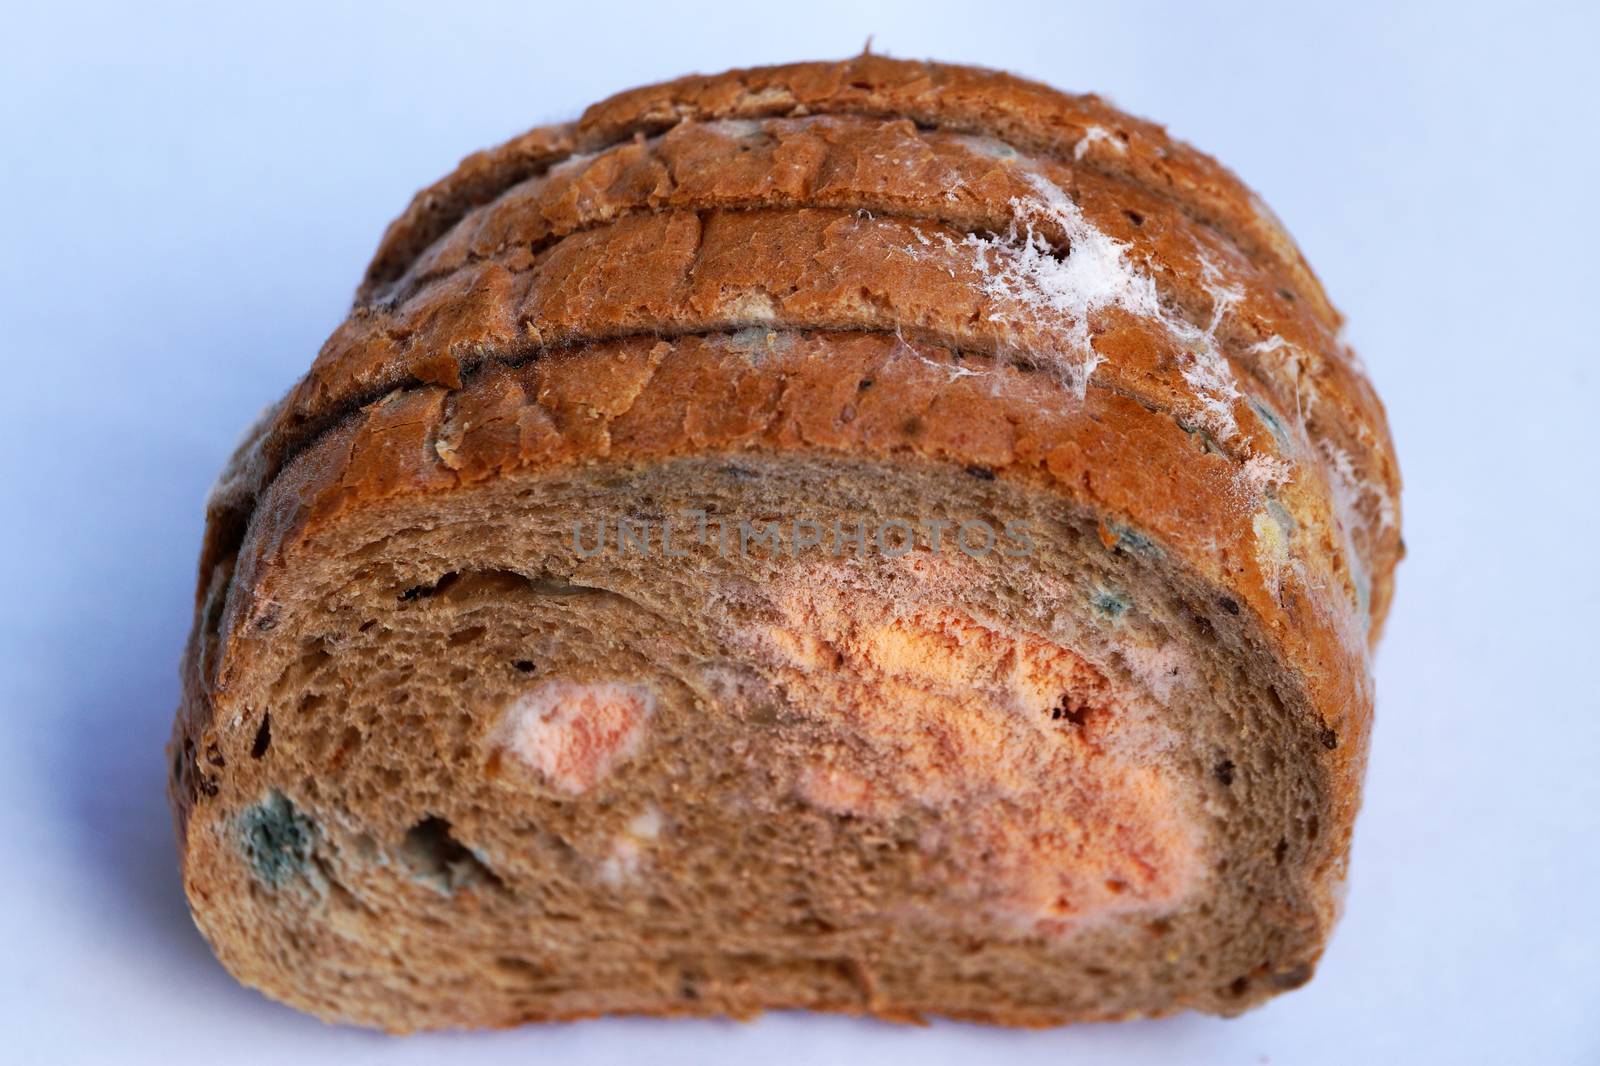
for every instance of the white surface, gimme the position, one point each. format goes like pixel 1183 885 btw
pixel 189 197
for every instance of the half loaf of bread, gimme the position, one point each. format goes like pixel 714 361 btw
pixel 873 536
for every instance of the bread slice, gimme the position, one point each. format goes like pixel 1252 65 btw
pixel 872 536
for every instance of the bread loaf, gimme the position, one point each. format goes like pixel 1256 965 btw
pixel 873 536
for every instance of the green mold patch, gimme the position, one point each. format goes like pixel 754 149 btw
pixel 276 839
pixel 1274 424
pixel 1110 604
pixel 1131 540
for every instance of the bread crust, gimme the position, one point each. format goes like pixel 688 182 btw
pixel 469 309
pixel 496 338
pixel 895 169
pixel 1032 116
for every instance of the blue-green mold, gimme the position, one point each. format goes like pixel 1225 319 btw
pixel 1274 424
pixel 1111 604
pixel 1131 540
pixel 276 839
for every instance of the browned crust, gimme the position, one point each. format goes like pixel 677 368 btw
pixel 894 168
pixel 1032 116
pixel 693 271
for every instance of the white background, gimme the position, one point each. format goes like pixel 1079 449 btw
pixel 189 196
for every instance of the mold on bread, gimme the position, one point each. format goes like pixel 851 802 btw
pixel 875 537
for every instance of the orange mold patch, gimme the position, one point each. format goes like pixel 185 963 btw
pixel 1057 808
pixel 573 734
